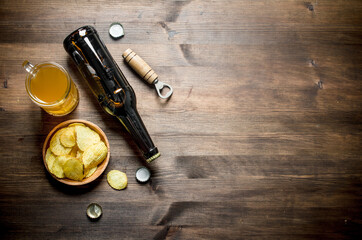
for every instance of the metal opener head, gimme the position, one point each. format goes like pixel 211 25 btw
pixel 159 86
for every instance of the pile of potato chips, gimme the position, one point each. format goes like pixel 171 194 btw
pixel 75 152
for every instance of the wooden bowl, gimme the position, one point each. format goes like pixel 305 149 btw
pixel 101 167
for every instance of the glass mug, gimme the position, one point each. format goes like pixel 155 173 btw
pixel 50 87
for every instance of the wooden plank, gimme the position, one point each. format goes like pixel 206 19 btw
pixel 189 33
pixel 234 12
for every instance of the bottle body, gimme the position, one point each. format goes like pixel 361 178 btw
pixel 109 85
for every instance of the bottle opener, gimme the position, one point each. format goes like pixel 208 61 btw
pixel 146 72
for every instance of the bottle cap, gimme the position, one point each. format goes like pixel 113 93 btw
pixel 116 30
pixel 94 211
pixel 143 175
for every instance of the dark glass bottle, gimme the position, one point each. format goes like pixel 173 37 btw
pixel 109 85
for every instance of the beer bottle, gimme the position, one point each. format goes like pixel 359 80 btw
pixel 109 85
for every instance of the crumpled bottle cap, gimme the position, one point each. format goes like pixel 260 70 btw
pixel 143 175
pixel 94 211
pixel 116 30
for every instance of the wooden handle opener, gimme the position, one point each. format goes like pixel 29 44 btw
pixel 146 72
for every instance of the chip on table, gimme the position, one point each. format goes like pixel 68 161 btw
pixel 117 179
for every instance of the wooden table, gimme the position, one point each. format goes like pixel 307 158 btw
pixel 261 138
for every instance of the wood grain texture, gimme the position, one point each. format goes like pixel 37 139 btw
pixel 260 140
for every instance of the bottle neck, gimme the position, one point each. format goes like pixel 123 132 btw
pixel 134 125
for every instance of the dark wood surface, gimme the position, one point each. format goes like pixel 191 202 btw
pixel 261 139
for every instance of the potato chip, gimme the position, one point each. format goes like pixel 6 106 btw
pixel 63 159
pixel 57 168
pixel 76 124
pixel 86 137
pixel 94 155
pixel 74 169
pixel 49 158
pixel 67 138
pixel 56 147
pixel 79 154
pixel 74 151
pixel 90 172
pixel 117 179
